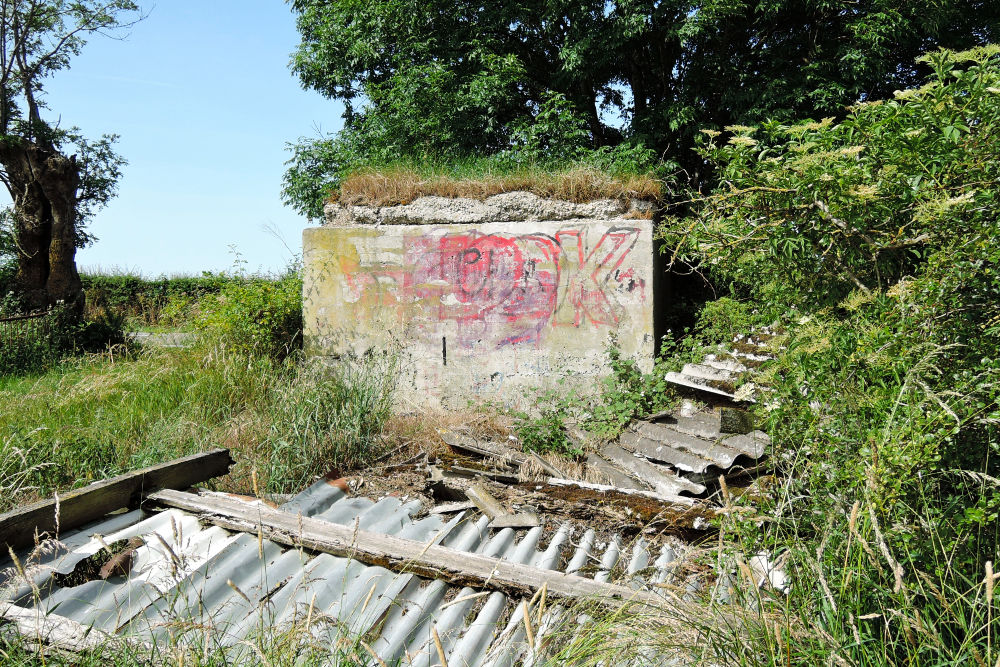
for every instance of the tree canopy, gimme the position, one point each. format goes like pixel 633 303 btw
pixel 457 78
pixel 55 176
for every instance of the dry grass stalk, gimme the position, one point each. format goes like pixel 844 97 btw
pixel 395 186
pixel 439 646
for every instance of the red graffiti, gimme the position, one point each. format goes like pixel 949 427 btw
pixel 503 289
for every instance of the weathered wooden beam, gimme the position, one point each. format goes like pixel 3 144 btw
pixel 46 629
pixel 75 508
pixel 481 447
pixel 486 503
pixel 545 465
pixel 460 568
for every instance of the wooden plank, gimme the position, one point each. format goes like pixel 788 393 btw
pixel 37 627
pixel 460 568
pixel 448 508
pixel 486 503
pixel 545 465
pixel 483 448
pixel 519 520
pixel 494 475
pixel 75 508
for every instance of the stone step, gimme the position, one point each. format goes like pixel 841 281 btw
pixel 752 357
pixel 753 444
pixel 671 441
pixel 663 480
pixel 748 361
pixel 730 365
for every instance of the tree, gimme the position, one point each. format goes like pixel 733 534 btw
pixel 447 77
pixel 55 177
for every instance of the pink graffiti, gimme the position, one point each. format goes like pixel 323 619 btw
pixel 504 289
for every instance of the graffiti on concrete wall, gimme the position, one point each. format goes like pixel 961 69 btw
pixel 501 289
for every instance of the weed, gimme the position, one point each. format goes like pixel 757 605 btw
pixel 546 432
pixel 625 394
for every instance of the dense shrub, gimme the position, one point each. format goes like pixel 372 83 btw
pixel 255 315
pixel 875 240
pixel 32 343
pixel 145 298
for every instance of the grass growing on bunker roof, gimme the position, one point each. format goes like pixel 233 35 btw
pixel 401 184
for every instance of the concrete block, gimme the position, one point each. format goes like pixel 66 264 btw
pixel 483 311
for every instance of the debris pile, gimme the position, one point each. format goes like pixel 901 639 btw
pixel 475 555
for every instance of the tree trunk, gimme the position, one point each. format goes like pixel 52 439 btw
pixel 43 184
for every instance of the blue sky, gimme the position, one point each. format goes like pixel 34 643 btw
pixel 203 99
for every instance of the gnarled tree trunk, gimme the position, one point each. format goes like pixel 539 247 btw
pixel 43 184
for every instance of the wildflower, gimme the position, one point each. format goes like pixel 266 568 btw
pixel 864 191
pixel 743 141
pixel 740 129
pixel 851 150
pixel 812 126
pixel 712 134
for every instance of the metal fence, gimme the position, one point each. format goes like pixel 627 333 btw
pixel 26 341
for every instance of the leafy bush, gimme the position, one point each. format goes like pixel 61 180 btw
pixel 30 344
pixel 256 315
pixel 875 240
pixel 722 320
pixel 546 432
pixel 555 140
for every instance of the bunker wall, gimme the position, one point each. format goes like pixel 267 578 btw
pixel 482 311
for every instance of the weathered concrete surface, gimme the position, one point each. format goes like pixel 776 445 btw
pixel 486 311
pixel 506 207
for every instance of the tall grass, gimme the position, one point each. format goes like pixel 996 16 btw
pixel 856 599
pixel 100 415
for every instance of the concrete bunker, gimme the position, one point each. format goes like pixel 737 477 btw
pixel 483 300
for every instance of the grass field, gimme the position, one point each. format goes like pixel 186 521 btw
pixel 99 415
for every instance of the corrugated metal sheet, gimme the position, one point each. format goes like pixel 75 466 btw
pixel 674 454
pixel 191 584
